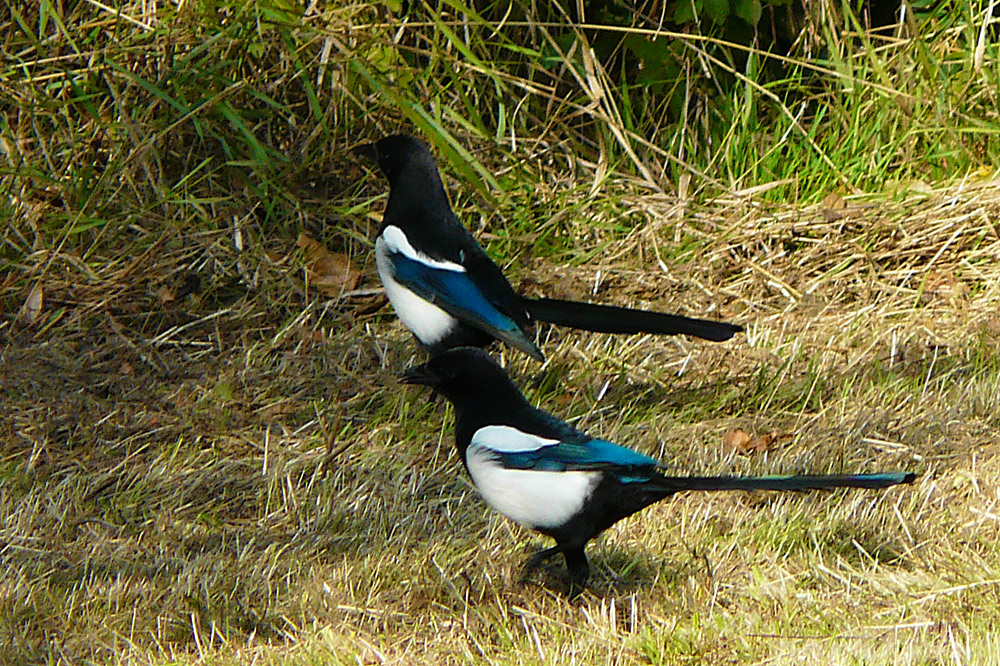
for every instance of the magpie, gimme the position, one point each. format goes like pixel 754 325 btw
pixel 546 475
pixel 449 293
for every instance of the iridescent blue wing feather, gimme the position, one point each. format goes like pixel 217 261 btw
pixel 456 293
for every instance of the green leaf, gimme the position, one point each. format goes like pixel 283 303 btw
pixel 224 390
pixel 684 10
pixel 748 10
pixel 717 11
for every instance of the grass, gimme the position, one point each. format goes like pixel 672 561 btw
pixel 206 457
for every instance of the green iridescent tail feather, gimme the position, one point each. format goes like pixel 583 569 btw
pixel 800 482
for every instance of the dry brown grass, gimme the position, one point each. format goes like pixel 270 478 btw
pixel 245 479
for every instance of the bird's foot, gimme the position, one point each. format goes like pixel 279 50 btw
pixel 536 560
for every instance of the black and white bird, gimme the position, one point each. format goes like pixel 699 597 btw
pixel 449 293
pixel 547 476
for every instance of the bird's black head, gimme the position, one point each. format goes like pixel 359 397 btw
pixel 396 153
pixel 466 376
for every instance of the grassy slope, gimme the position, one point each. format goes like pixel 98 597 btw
pixel 234 475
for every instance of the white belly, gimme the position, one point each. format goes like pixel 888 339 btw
pixel 424 319
pixel 534 499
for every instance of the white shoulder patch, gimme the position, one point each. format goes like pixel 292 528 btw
pixel 506 439
pixel 396 241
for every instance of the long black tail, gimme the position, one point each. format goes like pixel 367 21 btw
pixel 675 484
pixel 614 319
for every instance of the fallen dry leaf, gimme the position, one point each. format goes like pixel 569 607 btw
pixel 31 311
pixel 992 324
pixel 764 443
pixel 736 439
pixel 165 295
pixel 740 441
pixel 332 273
pixel 916 186
pixel 944 285
pixel 834 206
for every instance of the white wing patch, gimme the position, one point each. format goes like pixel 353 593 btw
pixel 396 241
pixel 534 499
pixel 507 439
pixel 424 319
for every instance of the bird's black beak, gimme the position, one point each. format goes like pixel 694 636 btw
pixel 420 375
pixel 368 151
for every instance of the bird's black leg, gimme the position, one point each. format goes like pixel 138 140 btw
pixel 579 570
pixel 535 560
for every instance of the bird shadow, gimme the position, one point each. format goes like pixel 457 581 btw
pixel 549 385
pixel 614 572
